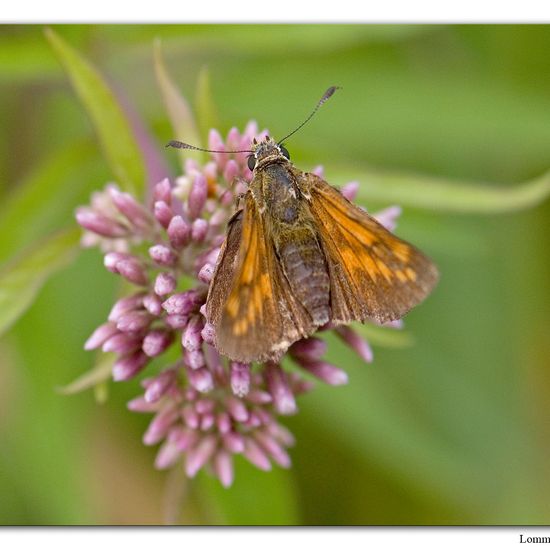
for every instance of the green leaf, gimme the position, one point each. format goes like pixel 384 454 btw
pixel 47 195
pixel 448 195
pixel 21 280
pixel 93 378
pixel 179 112
pixel 112 127
pixel 206 108
pixel 384 336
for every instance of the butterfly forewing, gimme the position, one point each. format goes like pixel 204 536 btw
pixel 373 273
pixel 255 316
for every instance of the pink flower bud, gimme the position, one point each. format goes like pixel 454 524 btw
pixel 233 138
pixel 191 338
pixel 183 303
pixel 223 422
pixel 310 348
pixel 156 342
pixel 281 434
pixel 206 273
pixel 197 196
pixel 326 372
pixel 159 385
pixel 183 438
pixel 278 386
pixel 227 198
pixel 194 359
pixel 259 397
pixel 277 453
pixel 162 255
pixel 122 344
pixel 126 265
pixel 223 467
pixel 199 228
pixel 350 190
pixel 201 379
pixel 130 208
pixel 231 170
pixel 99 224
pixel 236 409
pixel 163 213
pixel 190 417
pixel 160 425
pixel 126 304
pixel 176 321
pixel 255 455
pixel 205 405
pixel 233 442
pixel 200 455
pixel 207 421
pixel 163 191
pixel 139 404
pixel 167 456
pixel 129 366
pixel 215 142
pixel 179 232
pixel 132 271
pixel 207 333
pixel 100 335
pixel 152 304
pixel 240 378
pixel 388 217
pixel 165 284
pixel 134 321
pixel 355 342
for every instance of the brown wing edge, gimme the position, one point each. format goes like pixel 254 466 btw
pixel 361 298
pixel 287 321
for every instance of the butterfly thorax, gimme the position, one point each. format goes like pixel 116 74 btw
pixel 293 234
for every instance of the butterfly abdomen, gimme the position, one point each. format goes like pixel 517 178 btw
pixel 305 268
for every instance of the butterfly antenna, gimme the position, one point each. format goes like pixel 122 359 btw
pixel 325 98
pixel 181 145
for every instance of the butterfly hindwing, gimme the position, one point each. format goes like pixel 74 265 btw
pixel 373 273
pixel 254 314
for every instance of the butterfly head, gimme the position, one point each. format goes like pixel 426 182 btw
pixel 266 152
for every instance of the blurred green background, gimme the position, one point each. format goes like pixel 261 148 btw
pixel 453 429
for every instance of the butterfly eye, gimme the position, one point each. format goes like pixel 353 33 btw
pixel 285 152
pixel 251 162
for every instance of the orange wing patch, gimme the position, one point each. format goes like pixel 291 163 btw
pixel 373 273
pixel 249 303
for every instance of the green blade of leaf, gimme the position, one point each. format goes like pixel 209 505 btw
pixel 206 108
pixel 94 378
pixel 383 336
pixel 179 112
pixel 112 127
pixel 48 194
pixel 21 280
pixel 447 195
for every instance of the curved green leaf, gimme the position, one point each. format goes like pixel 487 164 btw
pixel 112 127
pixel 206 108
pixel 21 280
pixel 47 195
pixel 94 378
pixel 384 336
pixel 447 195
pixel 179 112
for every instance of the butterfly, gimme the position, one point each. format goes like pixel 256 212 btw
pixel 299 255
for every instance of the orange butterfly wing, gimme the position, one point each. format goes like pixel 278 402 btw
pixel 373 273
pixel 249 303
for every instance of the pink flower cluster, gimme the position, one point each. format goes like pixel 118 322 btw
pixel 206 408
